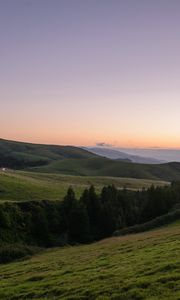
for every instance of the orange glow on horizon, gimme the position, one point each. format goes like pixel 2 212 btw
pixel 137 142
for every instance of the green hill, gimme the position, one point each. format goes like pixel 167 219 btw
pixel 76 161
pixel 99 166
pixel 22 155
pixel 139 266
pixel 21 186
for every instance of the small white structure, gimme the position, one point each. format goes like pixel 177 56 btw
pixel 3 169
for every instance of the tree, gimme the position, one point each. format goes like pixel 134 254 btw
pixel 40 228
pixel 69 201
pixel 78 224
pixel 91 201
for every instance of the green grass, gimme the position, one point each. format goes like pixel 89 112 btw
pixel 19 185
pixel 33 152
pixel 99 166
pixel 135 267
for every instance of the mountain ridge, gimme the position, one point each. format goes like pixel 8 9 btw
pixel 117 154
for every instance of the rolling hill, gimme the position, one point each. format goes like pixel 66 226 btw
pixel 76 161
pixel 24 186
pixel 22 155
pixel 100 166
pixel 138 266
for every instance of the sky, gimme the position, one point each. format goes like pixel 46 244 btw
pixel 84 72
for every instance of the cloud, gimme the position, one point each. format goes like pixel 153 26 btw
pixel 103 144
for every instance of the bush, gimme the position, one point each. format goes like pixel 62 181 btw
pixel 9 253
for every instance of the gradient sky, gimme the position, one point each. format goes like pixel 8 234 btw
pixel 88 71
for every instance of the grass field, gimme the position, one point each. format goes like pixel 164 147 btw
pixel 100 166
pixel 134 267
pixel 19 185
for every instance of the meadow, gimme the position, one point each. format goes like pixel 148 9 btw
pixel 133 267
pixel 22 186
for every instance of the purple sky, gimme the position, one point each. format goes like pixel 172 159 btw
pixel 82 72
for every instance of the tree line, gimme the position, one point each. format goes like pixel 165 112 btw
pixel 92 217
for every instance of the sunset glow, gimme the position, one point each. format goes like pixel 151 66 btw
pixel 85 72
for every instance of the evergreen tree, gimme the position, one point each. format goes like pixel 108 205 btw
pixel 78 224
pixel 90 200
pixel 69 201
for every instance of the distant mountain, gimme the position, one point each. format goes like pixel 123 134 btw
pixel 162 154
pixel 119 155
pixel 76 161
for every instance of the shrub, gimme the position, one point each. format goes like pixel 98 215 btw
pixel 9 253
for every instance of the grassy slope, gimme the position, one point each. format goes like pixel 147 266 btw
pixel 141 266
pixel 32 152
pixel 98 166
pixel 18 185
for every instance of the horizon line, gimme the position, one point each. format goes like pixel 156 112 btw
pixel 94 145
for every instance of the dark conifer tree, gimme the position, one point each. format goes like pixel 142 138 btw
pixel 69 201
pixel 78 224
pixel 91 201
